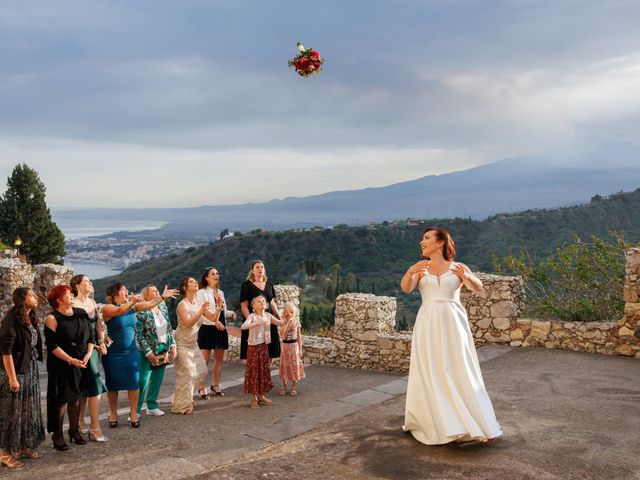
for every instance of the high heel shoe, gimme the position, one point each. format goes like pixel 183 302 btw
pixel 76 437
pixel 135 424
pixel 96 435
pixel 59 443
pixel 83 427
pixel 113 423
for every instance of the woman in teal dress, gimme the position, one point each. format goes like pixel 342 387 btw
pixel 92 385
pixel 122 361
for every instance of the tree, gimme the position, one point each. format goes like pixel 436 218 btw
pixel 223 233
pixel 582 281
pixel 24 214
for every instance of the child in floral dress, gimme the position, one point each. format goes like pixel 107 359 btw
pixel 291 367
pixel 257 375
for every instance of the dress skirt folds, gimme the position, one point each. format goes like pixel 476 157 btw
pixel 122 361
pixel 189 366
pixel 257 374
pixel 21 425
pixel 446 396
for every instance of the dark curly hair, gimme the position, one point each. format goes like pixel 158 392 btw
pixel 20 309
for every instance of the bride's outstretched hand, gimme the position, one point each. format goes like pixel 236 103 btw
pixel 419 267
pixel 459 272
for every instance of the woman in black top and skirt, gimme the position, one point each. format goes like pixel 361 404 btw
pixel 69 347
pixel 21 428
pixel 257 284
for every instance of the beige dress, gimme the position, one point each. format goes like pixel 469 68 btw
pixel 190 369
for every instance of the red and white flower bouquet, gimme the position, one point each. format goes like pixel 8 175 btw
pixel 307 62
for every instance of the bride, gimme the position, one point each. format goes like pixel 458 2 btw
pixel 446 397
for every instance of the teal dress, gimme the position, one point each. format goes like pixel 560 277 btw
pixel 92 384
pixel 122 361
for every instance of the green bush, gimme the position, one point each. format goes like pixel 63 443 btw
pixel 582 281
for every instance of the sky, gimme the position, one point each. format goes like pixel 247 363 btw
pixel 157 103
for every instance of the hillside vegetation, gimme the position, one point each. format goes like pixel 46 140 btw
pixel 373 258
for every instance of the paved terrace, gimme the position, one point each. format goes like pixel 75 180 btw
pixel 565 415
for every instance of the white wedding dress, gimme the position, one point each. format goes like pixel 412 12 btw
pixel 446 397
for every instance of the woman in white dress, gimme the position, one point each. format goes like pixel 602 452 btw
pixel 446 397
pixel 189 367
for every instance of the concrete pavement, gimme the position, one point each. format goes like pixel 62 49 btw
pixel 564 414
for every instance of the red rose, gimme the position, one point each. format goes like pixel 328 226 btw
pixel 315 54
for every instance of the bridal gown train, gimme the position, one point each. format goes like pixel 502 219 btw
pixel 446 397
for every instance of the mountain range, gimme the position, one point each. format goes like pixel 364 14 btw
pixel 505 186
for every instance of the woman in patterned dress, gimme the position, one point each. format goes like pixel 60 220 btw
pixel 21 430
pixel 154 338
pixel 189 367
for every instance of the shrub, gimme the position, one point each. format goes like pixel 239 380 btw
pixel 582 281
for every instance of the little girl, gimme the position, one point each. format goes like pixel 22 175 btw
pixel 257 375
pixel 291 368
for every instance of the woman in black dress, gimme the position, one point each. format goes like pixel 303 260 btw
pixel 69 348
pixel 213 334
pixel 257 284
pixel 21 428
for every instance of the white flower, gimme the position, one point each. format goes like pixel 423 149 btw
pixel 300 48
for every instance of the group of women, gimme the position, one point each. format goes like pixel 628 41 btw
pixel 446 397
pixel 133 339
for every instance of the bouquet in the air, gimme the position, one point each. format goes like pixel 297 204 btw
pixel 307 62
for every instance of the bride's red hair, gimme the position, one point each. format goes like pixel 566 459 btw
pixel 449 248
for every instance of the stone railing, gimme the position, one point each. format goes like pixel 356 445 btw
pixel 15 273
pixel 364 333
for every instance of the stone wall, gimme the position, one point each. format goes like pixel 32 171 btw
pixel 494 310
pixel 364 333
pixel 15 273
pixel 361 319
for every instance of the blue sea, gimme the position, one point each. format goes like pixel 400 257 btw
pixel 74 229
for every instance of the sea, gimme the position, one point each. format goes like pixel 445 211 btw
pixel 81 228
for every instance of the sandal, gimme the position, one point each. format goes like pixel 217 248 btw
pixel 282 392
pixel 113 423
pixel 218 392
pixel 9 461
pixel 254 404
pixel 489 441
pixel 265 401
pixel 293 392
pixel 27 452
pixel 205 395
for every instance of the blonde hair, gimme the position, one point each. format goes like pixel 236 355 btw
pixel 251 277
pixel 253 300
pixel 145 290
pixel 289 306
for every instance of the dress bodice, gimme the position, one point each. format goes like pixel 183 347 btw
pixel 443 288
pixel 188 336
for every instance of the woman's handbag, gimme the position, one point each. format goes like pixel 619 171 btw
pixel 162 359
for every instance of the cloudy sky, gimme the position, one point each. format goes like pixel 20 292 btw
pixel 190 102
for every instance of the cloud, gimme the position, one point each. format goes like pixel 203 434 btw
pixel 408 87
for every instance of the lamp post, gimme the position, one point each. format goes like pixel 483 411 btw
pixel 17 244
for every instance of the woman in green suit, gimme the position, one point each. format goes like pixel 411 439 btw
pixel 157 348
